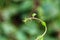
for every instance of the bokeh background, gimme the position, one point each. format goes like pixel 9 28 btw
pixel 13 12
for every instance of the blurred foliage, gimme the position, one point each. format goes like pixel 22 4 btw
pixel 13 12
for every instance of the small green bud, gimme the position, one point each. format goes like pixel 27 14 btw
pixel 25 20
pixel 34 14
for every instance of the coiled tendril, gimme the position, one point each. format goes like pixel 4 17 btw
pixel 42 22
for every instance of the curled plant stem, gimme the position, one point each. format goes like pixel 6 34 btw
pixel 40 36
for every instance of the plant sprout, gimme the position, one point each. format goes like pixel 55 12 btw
pixel 40 37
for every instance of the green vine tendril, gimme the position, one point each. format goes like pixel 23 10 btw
pixel 42 22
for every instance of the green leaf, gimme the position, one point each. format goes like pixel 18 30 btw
pixel 43 23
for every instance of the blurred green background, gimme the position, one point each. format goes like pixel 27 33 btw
pixel 13 12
